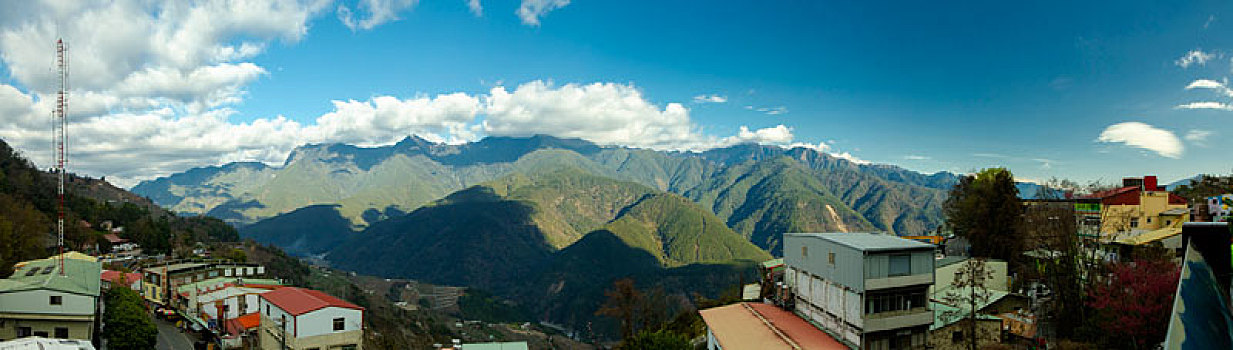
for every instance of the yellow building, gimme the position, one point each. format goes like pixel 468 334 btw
pixel 1139 206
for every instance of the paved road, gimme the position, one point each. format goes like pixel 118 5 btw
pixel 170 338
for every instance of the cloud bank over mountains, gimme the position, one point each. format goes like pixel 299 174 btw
pixel 155 93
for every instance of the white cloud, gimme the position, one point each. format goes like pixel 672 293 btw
pixel 155 92
pixel 779 134
pixel 712 98
pixel 1206 105
pixel 1220 87
pixel 850 157
pixel 605 113
pixel 1197 136
pixel 1196 56
pixel 387 119
pixel 772 110
pixel 379 12
pixel 531 10
pixel 916 157
pixel 1140 135
pixel 476 8
pixel 1045 163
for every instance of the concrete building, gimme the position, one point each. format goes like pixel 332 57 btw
pixel 38 301
pixel 950 331
pixel 157 280
pixel 298 319
pixel 37 343
pixel 871 290
pixel 132 280
pixel 1140 205
pixel 944 275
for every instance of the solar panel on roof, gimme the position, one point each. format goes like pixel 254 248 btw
pixel 47 270
pixel 32 271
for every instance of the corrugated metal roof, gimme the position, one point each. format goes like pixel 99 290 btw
pixel 81 277
pixel 945 315
pixel 495 346
pixel 298 301
pixel 867 241
pixel 1149 236
pixel 762 326
pixel 772 263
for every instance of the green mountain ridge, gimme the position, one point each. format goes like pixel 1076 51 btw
pixel 414 172
pixel 553 240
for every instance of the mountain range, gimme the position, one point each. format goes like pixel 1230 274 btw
pixel 547 222
pixel 815 191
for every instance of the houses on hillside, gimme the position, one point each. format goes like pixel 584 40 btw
pixel 233 302
pixel 158 279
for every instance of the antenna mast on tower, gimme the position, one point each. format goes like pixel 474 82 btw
pixel 58 131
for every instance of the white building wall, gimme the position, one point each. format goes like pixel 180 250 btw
pixel 322 321
pixel 276 314
pixel 39 302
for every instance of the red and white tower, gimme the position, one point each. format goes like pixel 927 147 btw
pixel 59 124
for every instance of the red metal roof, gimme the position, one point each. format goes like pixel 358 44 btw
pixel 112 276
pixel 298 301
pixel 1128 196
pixel 243 323
pixel 1112 192
pixel 113 238
pixel 762 326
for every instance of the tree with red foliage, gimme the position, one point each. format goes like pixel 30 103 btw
pixel 1133 304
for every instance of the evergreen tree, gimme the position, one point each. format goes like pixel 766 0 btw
pixel 126 323
pixel 985 209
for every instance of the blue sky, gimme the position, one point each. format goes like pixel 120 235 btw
pixel 1048 89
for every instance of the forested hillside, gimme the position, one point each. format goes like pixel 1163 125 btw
pixel 28 210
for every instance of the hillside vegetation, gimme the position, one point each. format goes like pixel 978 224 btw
pixel 554 235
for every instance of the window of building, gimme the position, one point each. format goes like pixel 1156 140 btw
pixel 23 332
pixel 338 324
pixel 1134 222
pixel 900 265
pixel 1149 220
pixel 831 258
pixel 1168 222
pixel 956 337
pixel 267 310
pixel 877 303
pixel 62 332
pixel 55 300
pixel 804 252
pixel 348 347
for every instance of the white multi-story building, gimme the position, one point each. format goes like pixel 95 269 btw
pixel 298 318
pixel 871 290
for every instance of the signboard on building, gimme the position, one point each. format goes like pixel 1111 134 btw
pixel 1087 208
pixel 1218 207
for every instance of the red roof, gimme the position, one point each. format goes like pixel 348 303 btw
pixel 112 276
pixel 1112 192
pixel 298 301
pixel 762 326
pixel 243 323
pixel 1128 196
pixel 113 238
